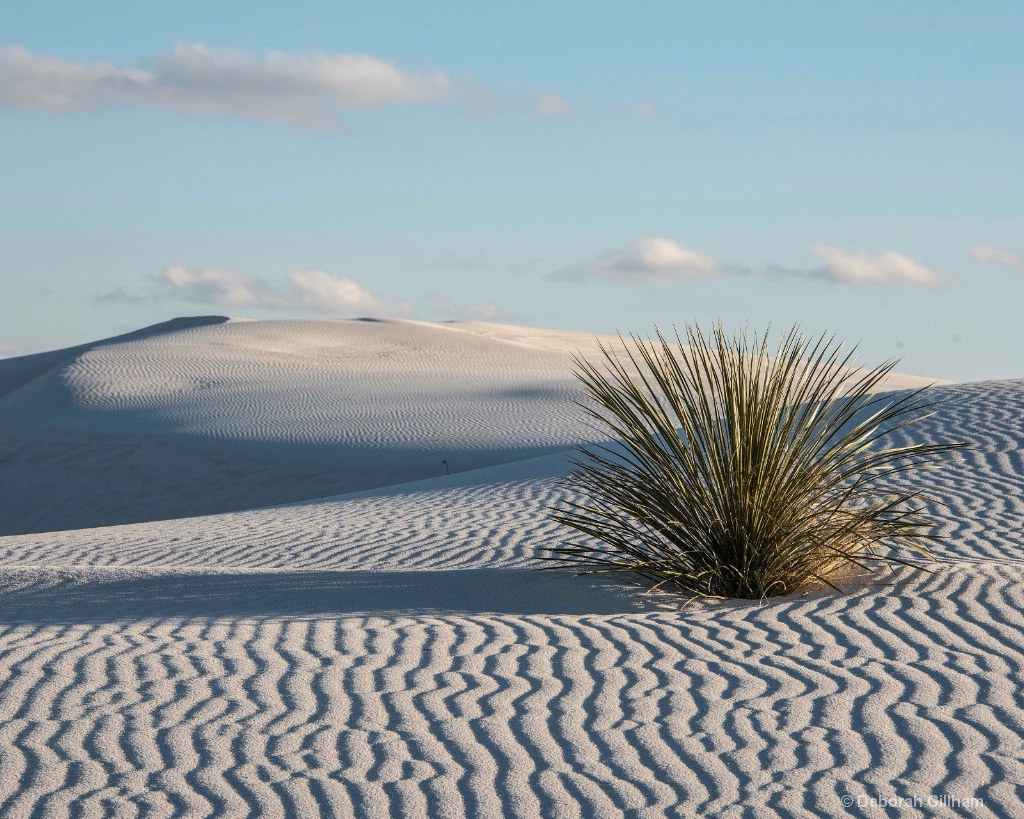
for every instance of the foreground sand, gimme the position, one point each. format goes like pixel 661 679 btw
pixel 389 652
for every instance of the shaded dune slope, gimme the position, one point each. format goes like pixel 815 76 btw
pixel 496 517
pixel 205 415
pixel 244 414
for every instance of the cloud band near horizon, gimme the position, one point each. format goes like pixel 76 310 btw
pixel 309 291
pixel 659 259
pixel 305 291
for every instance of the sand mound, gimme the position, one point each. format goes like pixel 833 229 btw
pixel 389 652
pixel 205 415
pixel 242 414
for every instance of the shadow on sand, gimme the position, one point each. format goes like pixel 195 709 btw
pixel 99 595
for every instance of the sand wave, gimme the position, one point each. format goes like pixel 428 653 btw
pixel 784 708
pixel 390 652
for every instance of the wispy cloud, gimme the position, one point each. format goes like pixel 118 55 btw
pixel 860 268
pixel 658 258
pixel 313 291
pixel 644 109
pixel 307 89
pixel 990 255
pixel 552 105
pixel 648 109
pixel 644 260
pixel 473 312
pixel 472 263
pixel 303 291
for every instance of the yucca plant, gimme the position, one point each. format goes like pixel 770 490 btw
pixel 737 474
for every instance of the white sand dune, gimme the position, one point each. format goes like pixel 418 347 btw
pixel 390 652
pixel 207 415
pixel 243 414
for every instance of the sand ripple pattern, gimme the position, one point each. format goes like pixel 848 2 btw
pixel 980 497
pixel 725 711
pixel 497 517
pixel 389 653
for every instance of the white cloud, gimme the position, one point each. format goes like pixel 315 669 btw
pixel 41 83
pixel 658 258
pixel 214 285
pixel 646 259
pixel 306 291
pixel 552 105
pixel 986 255
pixel 860 268
pixel 278 86
pixel 296 88
pixel 317 290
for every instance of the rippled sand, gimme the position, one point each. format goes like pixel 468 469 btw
pixel 390 652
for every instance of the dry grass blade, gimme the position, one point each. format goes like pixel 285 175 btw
pixel 743 475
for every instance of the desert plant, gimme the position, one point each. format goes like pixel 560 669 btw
pixel 737 474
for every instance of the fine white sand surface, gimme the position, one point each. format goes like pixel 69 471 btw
pixel 236 579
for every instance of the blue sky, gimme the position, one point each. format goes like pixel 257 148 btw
pixel 852 167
